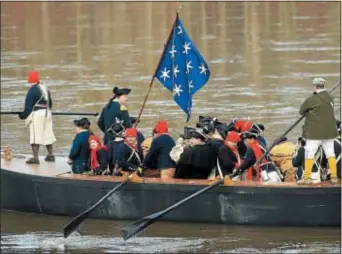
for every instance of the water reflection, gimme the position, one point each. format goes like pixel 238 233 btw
pixel 262 56
pixel 43 233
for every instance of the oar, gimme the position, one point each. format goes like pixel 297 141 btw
pixel 54 113
pixel 286 132
pixel 134 228
pixel 75 222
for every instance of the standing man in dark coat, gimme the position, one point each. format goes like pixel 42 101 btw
pixel 319 129
pixel 115 110
pixel 38 117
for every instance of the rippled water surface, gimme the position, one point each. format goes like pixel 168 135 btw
pixel 28 232
pixel 262 57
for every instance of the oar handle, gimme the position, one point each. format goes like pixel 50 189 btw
pixel 54 113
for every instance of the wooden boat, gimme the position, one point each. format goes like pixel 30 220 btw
pixel 48 188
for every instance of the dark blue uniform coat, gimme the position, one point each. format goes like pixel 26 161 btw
pixel 33 96
pixel 80 152
pixel 127 161
pixel 158 157
pixel 111 111
pixel 113 148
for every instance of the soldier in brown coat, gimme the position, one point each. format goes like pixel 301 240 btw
pixel 319 129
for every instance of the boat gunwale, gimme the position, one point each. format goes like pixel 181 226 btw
pixel 44 171
pixel 106 181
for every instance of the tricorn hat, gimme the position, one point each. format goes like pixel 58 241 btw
pixel 83 122
pixel 121 91
pixel 199 134
pixel 252 133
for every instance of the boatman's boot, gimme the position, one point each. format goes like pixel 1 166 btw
pixel 333 170
pixel 50 157
pixel 306 179
pixel 35 151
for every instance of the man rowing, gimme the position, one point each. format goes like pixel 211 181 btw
pixel 319 129
pixel 265 170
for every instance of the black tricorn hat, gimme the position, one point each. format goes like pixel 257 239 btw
pixel 123 91
pixel 83 122
pixel 198 133
pixel 253 133
pixel 260 126
pixel 134 119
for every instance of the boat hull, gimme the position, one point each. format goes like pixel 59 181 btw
pixel 252 205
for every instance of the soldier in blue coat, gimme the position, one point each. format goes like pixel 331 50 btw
pixel 115 110
pixel 129 156
pixel 158 156
pixel 80 152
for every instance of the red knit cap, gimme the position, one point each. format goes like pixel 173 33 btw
pixel 33 77
pixel 131 132
pixel 162 127
pixel 233 136
pixel 96 138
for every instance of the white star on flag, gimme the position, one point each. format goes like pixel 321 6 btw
pixel 188 67
pixel 173 51
pixel 177 90
pixel 203 69
pixel 190 84
pixel 175 71
pixel 180 31
pixel 165 74
pixel 186 47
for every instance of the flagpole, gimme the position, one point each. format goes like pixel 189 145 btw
pixel 155 73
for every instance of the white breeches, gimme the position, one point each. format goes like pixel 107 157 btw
pixel 312 145
pixel 40 126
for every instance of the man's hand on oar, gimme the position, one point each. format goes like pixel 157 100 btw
pixel 136 227
pixel 75 222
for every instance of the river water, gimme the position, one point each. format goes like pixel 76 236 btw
pixel 262 56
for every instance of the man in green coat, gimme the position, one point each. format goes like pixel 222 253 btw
pixel 319 129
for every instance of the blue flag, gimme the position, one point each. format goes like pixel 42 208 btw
pixel 182 70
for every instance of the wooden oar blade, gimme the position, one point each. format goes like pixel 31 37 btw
pixel 138 226
pixel 73 225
